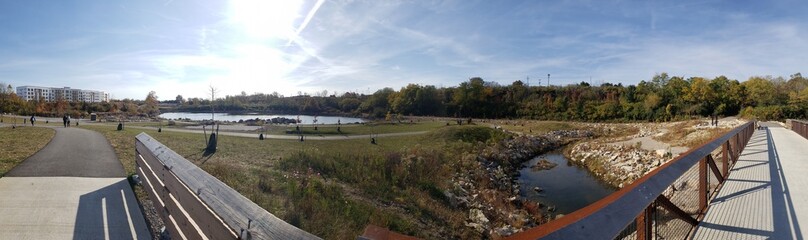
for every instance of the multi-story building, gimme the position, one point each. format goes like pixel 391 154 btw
pixel 66 93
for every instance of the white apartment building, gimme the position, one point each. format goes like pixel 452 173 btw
pixel 52 94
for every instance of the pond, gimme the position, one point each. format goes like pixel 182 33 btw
pixel 304 119
pixel 568 187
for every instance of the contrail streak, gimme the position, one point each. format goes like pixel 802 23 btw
pixel 306 21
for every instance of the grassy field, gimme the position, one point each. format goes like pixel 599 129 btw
pixel 534 127
pixel 39 122
pixel 154 124
pixel 333 189
pixel 328 129
pixel 18 144
pixel 357 129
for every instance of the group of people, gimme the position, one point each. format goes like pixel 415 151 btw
pixel 714 120
pixel 66 121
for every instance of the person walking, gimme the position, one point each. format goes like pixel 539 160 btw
pixel 32 120
pixel 64 120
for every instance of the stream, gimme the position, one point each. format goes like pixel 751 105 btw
pixel 567 186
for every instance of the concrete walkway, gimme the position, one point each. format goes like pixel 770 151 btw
pixel 74 188
pixel 765 195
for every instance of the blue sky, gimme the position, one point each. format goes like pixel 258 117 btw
pixel 129 48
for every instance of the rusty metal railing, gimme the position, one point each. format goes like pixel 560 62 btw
pixel 668 202
pixel 800 127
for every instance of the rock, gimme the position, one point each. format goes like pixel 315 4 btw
pixel 538 189
pixel 543 164
pixel 505 231
pixel 476 226
pixel 477 216
pixel 661 152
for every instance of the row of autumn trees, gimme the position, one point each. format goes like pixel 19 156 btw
pixel 661 98
pixel 11 103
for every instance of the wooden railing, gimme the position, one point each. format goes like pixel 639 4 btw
pixel 662 203
pixel 799 127
pixel 195 205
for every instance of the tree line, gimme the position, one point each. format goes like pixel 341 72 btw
pixel 661 98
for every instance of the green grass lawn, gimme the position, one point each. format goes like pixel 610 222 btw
pixel 329 129
pixel 535 127
pixel 18 144
pixel 248 150
pixel 8 120
pixel 356 129
pixel 153 124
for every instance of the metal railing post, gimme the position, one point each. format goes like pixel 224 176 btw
pixel 739 148
pixel 733 156
pixel 645 223
pixel 702 186
pixel 725 159
pixel 749 137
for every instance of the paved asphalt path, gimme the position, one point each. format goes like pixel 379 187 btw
pixel 73 152
pixel 73 188
pixel 287 137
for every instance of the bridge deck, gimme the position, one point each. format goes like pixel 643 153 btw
pixel 765 195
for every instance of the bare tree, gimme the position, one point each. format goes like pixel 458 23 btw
pixel 213 92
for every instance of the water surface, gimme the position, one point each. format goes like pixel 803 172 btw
pixel 304 119
pixel 566 186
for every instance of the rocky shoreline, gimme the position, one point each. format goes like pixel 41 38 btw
pixel 616 165
pixel 491 193
pixel 620 160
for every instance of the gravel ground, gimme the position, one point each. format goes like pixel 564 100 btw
pixel 152 219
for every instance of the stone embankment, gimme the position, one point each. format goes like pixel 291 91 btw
pixel 620 160
pixel 617 165
pixel 490 191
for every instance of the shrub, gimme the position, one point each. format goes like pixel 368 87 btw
pixel 471 134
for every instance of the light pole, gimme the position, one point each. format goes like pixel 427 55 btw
pixel 548 79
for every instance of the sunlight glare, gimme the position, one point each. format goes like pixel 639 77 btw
pixel 266 19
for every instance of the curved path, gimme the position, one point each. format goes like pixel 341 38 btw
pixel 287 137
pixel 73 152
pixel 73 188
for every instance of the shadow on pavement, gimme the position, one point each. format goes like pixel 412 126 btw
pixel 110 213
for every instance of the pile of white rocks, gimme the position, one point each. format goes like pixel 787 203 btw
pixel 617 165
